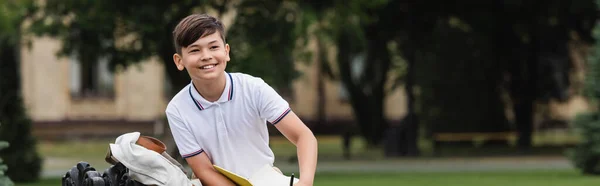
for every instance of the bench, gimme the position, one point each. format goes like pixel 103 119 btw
pixel 473 137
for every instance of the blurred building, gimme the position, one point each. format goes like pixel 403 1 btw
pixel 67 99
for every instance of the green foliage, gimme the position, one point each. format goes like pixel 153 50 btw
pixel 12 13
pixel 592 80
pixel 264 36
pixel 15 125
pixel 127 32
pixel 586 155
pixel 22 157
pixel 462 95
pixel 4 180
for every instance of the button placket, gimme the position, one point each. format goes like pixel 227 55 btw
pixel 221 119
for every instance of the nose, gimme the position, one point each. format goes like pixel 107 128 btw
pixel 206 56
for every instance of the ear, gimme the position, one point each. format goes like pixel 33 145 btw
pixel 227 49
pixel 178 61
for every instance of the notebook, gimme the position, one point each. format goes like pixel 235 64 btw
pixel 265 176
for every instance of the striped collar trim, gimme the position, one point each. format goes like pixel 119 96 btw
pixel 230 94
pixel 202 103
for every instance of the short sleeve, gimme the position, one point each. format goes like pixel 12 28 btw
pixel 271 106
pixel 184 139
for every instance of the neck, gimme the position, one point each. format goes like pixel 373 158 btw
pixel 210 90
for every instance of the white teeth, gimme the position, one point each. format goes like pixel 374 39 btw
pixel 208 67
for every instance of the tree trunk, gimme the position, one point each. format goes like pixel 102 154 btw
pixel 377 67
pixel 409 127
pixel 526 89
pixel 356 97
pixel 321 97
pixel 367 94
pixel 402 140
pixel 524 120
pixel 525 108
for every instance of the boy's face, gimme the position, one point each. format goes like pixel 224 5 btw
pixel 204 59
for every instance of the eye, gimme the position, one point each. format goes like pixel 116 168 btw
pixel 214 47
pixel 194 50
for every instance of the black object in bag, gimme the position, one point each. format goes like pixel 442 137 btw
pixel 83 174
pixel 77 175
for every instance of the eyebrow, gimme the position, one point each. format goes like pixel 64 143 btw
pixel 196 45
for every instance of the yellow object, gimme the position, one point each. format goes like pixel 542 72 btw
pixel 237 179
pixel 265 176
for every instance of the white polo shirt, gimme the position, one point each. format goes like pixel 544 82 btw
pixel 231 131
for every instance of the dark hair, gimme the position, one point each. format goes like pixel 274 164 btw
pixel 194 27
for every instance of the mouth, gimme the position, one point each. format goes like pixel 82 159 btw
pixel 206 67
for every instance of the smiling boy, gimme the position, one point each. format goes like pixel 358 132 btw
pixel 220 118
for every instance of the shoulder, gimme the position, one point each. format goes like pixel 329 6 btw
pixel 246 82
pixel 243 78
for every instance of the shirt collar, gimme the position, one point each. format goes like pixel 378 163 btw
pixel 202 103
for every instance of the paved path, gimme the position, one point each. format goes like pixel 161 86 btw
pixel 56 167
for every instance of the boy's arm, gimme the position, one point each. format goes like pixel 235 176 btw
pixel 200 163
pixel 203 169
pixel 306 144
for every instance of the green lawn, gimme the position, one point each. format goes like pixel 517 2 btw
pixel 541 178
pixel 330 149
pixel 68 153
pixel 93 151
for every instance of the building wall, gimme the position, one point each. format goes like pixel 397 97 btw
pixel 138 91
pixel 44 81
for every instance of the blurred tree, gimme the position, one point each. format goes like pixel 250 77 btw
pixel 363 33
pixel 312 24
pixel 263 38
pixel 125 32
pixel 458 65
pixel 133 31
pixel 533 36
pixel 456 61
pixel 586 155
pixel 4 179
pixel 523 53
pixel 15 125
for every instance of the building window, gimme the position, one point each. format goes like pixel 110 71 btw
pixel 91 79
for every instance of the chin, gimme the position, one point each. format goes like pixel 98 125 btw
pixel 210 76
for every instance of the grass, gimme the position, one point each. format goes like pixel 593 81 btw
pixel 530 178
pixel 43 182
pixel 330 148
pixel 62 155
pixel 65 154
pixel 75 149
pixel 545 178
